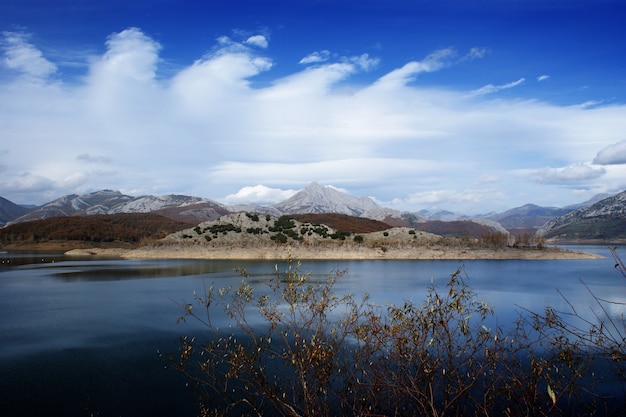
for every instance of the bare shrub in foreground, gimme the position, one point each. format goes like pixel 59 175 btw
pixel 300 349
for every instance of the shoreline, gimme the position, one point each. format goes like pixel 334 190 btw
pixel 337 253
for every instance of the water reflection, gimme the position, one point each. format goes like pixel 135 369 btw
pixel 115 271
pixel 60 313
pixel 13 258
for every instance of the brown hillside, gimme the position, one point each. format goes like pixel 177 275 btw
pixel 342 222
pixel 454 228
pixel 97 230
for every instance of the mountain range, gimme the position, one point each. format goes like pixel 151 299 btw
pixel 318 199
pixel 10 211
pixel 603 220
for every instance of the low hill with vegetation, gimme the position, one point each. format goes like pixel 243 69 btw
pixel 262 236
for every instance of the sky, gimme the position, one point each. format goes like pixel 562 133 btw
pixel 470 107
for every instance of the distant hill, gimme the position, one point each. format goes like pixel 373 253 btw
pixel 177 207
pixel 457 228
pixel 313 199
pixel 442 215
pixel 99 202
pixel 10 211
pixel 129 229
pixel 604 220
pixel 528 216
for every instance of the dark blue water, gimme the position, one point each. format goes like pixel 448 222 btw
pixel 80 337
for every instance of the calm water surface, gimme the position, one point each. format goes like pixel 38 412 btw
pixel 79 337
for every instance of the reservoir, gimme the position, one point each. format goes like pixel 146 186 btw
pixel 81 336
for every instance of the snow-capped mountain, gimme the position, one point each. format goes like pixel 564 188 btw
pixel 99 202
pixel 180 207
pixel 148 203
pixel 315 198
pixel 605 219
pixel 443 215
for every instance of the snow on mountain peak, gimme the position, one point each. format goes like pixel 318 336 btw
pixel 148 203
pixel 316 198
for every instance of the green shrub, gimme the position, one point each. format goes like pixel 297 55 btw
pixel 282 223
pixel 254 217
pixel 224 228
pixel 339 234
pixel 320 230
pixel 279 238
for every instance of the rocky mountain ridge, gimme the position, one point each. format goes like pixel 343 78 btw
pixel 178 207
pixel 10 210
pixel 314 198
pixel 603 220
pixel 528 216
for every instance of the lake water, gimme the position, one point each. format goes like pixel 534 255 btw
pixel 79 337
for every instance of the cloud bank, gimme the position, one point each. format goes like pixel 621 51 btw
pixel 614 154
pixel 208 129
pixel 258 194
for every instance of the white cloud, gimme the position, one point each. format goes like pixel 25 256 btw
pixel 571 173
pixel 354 170
pixel 23 185
pixel 22 56
pixel 490 88
pixel 94 158
pixel 259 41
pixel 487 179
pixel 258 194
pixel 316 57
pixel 364 62
pixel 130 54
pixel 448 198
pixel 475 53
pixel 543 77
pixel 588 104
pixel 408 73
pixel 431 197
pixel 208 130
pixel 612 155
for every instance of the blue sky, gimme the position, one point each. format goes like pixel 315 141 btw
pixel 464 106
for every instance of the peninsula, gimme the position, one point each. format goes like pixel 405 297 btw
pixel 255 236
